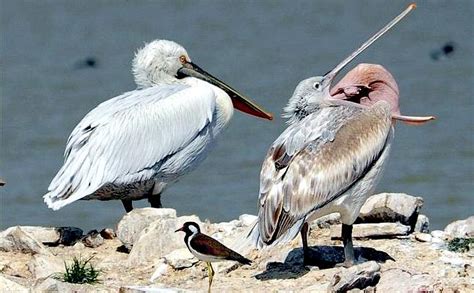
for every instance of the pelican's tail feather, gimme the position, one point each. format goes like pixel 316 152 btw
pixel 67 186
pixel 255 239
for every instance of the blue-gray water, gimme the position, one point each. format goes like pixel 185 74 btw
pixel 262 48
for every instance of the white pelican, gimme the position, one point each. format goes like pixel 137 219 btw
pixel 332 154
pixel 131 146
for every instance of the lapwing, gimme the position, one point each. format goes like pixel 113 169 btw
pixel 208 249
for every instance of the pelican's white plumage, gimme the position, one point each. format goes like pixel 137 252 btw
pixel 131 146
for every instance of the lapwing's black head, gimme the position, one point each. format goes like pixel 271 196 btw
pixel 190 228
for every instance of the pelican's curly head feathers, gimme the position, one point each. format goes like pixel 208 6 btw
pixel 158 62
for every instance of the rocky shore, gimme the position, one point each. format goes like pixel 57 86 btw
pixel 142 253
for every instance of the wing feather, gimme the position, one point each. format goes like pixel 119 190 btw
pixel 123 139
pixel 322 169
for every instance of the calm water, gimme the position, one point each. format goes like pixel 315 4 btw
pixel 262 48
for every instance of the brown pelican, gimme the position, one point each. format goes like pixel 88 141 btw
pixel 332 154
pixel 131 146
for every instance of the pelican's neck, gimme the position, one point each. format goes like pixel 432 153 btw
pixel 145 79
pixel 224 107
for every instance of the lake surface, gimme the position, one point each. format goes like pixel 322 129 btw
pixel 262 48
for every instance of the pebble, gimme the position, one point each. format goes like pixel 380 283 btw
pixel 423 237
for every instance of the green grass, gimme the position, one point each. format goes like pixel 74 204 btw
pixel 79 272
pixel 460 244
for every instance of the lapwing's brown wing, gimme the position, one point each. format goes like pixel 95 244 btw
pixel 209 246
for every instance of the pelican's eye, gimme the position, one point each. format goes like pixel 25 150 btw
pixel 183 59
pixel 317 85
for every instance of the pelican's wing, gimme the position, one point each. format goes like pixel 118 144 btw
pixel 124 139
pixel 320 172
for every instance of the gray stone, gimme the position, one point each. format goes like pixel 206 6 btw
pixel 133 223
pixel 180 259
pixel 422 224
pixel 326 222
pixel 7 285
pixel 461 228
pixel 360 276
pixel 15 239
pixel 93 239
pixel 398 280
pixel 43 266
pixel 69 235
pixel 108 233
pixel 380 230
pixel 391 207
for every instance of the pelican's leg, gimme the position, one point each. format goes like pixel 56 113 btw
pixel 348 247
pixel 155 200
pixel 210 273
pixel 304 239
pixel 127 204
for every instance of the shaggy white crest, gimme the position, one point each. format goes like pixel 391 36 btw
pixel 157 61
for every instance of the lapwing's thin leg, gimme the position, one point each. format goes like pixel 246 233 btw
pixel 304 239
pixel 155 201
pixel 127 204
pixel 348 247
pixel 210 273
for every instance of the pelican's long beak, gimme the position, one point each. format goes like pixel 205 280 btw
pixel 329 77
pixel 239 101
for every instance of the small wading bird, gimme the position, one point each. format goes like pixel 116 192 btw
pixel 131 146
pixel 331 156
pixel 208 249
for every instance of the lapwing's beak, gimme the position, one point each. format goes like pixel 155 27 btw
pixel 180 229
pixel 239 101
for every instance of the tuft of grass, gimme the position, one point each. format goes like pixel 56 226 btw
pixel 79 272
pixel 460 244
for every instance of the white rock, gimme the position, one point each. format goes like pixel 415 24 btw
pixel 180 259
pixel 391 207
pixel 43 234
pixel 15 239
pixel 390 281
pixel 51 285
pixel 133 223
pixel 461 228
pixel 247 219
pixel 155 241
pixel 42 266
pixel 439 234
pixel 6 285
pixel 161 269
pixel 156 288
pixel 423 237
pixel 452 258
pixel 377 230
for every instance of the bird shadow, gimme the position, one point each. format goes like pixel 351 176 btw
pixel 322 257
